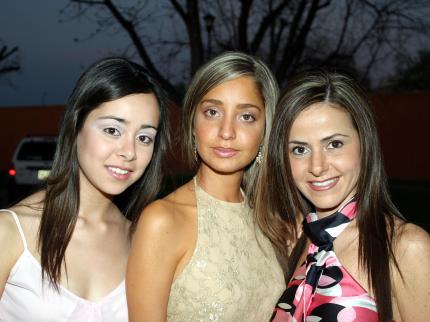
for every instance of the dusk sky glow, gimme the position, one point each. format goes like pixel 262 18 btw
pixel 51 61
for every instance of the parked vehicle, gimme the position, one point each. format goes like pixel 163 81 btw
pixel 32 160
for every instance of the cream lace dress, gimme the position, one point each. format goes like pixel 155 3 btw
pixel 233 274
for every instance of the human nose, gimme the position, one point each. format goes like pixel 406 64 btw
pixel 318 163
pixel 227 128
pixel 127 149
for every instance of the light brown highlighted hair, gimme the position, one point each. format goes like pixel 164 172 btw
pixel 225 67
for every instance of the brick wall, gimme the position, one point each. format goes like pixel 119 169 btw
pixel 403 122
pixel 19 122
pixel 404 128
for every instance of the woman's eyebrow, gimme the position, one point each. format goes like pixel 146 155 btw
pixel 148 126
pixel 330 137
pixel 212 100
pixel 115 118
pixel 297 142
pixel 124 121
pixel 240 105
pixel 325 139
pixel 249 105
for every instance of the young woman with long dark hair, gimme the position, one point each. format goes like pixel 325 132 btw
pixel 357 258
pixel 65 248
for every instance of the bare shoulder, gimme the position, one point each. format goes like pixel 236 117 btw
pixel 8 227
pixel 27 210
pixel 161 246
pixel 31 206
pixel 411 241
pixel 155 217
pixel 411 283
pixel 412 253
pixel 11 245
pixel 173 212
pixel 165 227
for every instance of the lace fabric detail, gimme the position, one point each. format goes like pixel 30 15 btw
pixel 233 274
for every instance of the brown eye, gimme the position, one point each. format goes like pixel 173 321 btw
pixel 145 139
pixel 299 150
pixel 112 131
pixel 248 117
pixel 336 144
pixel 211 112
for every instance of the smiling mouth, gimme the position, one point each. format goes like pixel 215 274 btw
pixel 118 170
pixel 119 173
pixel 324 185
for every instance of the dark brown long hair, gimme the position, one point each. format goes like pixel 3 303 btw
pixel 107 80
pixel 280 205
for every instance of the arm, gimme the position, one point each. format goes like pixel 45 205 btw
pixel 155 252
pixel 11 247
pixel 413 292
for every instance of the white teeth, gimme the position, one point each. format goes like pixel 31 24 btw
pixel 324 183
pixel 117 170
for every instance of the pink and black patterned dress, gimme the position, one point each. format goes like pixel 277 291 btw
pixel 322 289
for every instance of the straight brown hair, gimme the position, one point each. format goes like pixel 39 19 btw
pixel 107 80
pixel 280 206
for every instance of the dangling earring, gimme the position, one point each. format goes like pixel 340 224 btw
pixel 259 157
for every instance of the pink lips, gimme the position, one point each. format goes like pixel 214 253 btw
pixel 119 173
pixel 225 152
pixel 323 185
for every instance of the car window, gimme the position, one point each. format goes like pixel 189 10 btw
pixel 37 151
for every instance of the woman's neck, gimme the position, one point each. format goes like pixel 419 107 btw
pixel 95 205
pixel 224 187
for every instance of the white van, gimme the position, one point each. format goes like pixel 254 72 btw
pixel 32 160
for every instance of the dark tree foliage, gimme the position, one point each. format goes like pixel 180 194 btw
pixel 171 37
pixel 9 61
pixel 415 76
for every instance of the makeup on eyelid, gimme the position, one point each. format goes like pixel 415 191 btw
pixel 115 144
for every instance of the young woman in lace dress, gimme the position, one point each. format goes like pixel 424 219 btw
pixel 197 255
pixel 357 259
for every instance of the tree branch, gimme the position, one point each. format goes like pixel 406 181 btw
pixel 9 69
pixel 136 40
pixel 4 54
pixel 191 20
pixel 265 23
pixel 242 27
pixel 293 51
pixel 89 2
pixel 179 10
pixel 8 66
pixel 346 20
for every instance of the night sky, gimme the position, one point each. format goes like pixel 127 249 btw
pixel 51 61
